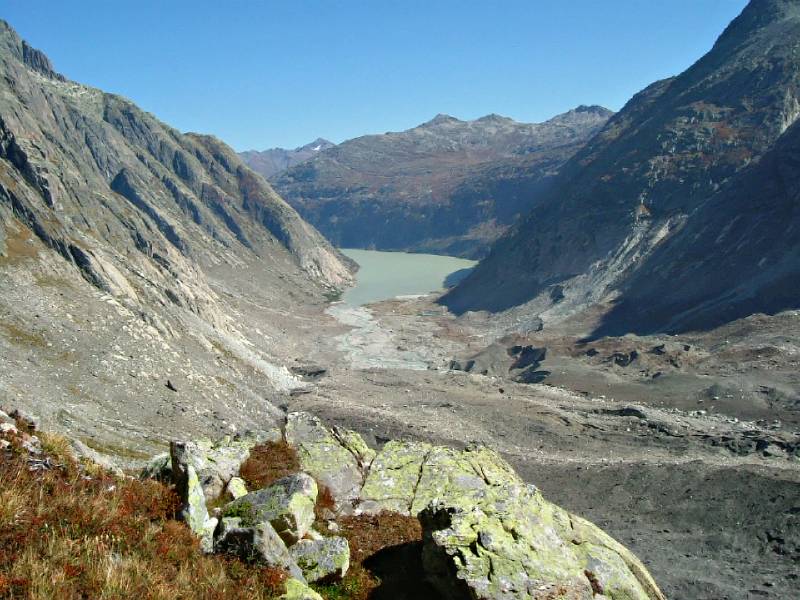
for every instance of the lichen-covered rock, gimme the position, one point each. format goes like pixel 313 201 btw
pixel 448 473
pixel 236 488
pixel 355 444
pixel 288 505
pixel 505 541
pixel 256 543
pixel 393 477
pixel 297 590
pixel 214 462
pixel 323 559
pixel 193 501
pixel 335 461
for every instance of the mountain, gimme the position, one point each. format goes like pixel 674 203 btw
pixel 276 160
pixel 447 186
pixel 124 245
pixel 649 174
pixel 737 255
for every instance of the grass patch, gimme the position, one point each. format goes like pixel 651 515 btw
pixel 368 536
pixel 267 463
pixel 64 534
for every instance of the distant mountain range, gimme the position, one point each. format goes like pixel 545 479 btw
pixel 683 211
pixel 276 160
pixel 447 186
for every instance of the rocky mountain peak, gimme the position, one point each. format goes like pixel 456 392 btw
pixel 32 58
pixel 441 119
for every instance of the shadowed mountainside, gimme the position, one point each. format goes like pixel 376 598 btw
pixel 649 174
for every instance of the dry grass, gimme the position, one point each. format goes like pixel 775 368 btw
pixel 267 463
pixel 64 534
pixel 367 535
pixel 70 532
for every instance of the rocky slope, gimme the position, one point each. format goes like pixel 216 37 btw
pixel 272 161
pixel 486 534
pixel 113 228
pixel 650 174
pixel 446 186
pixel 739 254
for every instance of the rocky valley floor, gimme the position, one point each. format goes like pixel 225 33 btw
pixel 685 449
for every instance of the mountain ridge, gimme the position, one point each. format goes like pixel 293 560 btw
pixel 426 189
pixel 272 161
pixel 672 147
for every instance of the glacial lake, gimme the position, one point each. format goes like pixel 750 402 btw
pixel 385 275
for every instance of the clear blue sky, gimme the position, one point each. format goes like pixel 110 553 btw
pixel 260 74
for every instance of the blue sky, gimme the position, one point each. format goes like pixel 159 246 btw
pixel 263 74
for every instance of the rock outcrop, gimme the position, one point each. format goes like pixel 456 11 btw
pixel 447 186
pixel 486 533
pixel 655 170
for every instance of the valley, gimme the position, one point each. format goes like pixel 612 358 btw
pixel 607 300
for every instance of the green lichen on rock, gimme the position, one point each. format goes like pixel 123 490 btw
pixel 236 488
pixel 393 477
pixel 507 541
pixel 297 590
pixel 610 563
pixel 288 505
pixel 326 458
pixel 323 559
pixel 453 474
pixel 355 444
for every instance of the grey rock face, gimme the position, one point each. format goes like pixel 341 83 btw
pixel 323 559
pixel 130 202
pixel 190 491
pixel 650 173
pixel 255 543
pixel 446 186
pixel 334 464
pixel 288 505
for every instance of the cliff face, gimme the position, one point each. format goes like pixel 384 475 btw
pixel 124 248
pixel 649 172
pixel 446 186
pixel 132 203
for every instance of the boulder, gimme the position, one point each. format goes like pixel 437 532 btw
pixel 256 543
pixel 393 477
pixel 236 488
pixel 214 462
pixel 297 590
pixel 503 541
pixel 322 559
pixel 336 459
pixel 288 505
pixel 193 501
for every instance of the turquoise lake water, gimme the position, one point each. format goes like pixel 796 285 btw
pixel 385 275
